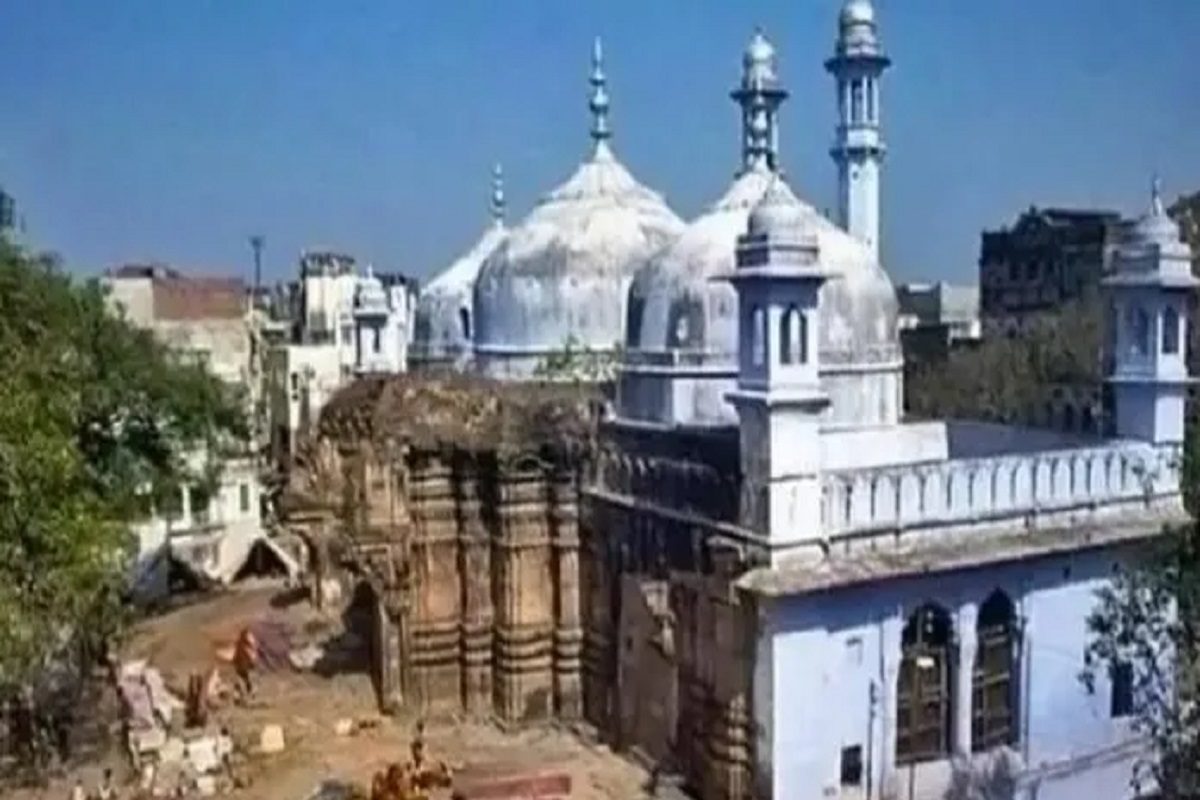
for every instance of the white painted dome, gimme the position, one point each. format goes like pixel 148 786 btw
pixel 676 303
pixel 445 312
pixel 562 275
pixel 445 316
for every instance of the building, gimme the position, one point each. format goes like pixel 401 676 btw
pixel 8 213
pixel 208 320
pixel 445 318
pixel 935 319
pixel 561 276
pixel 1048 258
pixel 751 570
pixel 342 324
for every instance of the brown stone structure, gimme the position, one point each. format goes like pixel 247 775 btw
pixel 456 504
pixel 530 562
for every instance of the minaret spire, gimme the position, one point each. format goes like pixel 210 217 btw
pixel 857 65
pixel 498 195
pixel 1156 204
pixel 598 102
pixel 759 94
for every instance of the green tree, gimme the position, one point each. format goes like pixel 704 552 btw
pixel 1145 625
pixel 1010 379
pixel 578 363
pixel 99 422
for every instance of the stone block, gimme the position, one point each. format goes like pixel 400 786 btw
pixel 270 740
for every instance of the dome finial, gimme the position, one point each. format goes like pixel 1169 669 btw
pixel 1156 203
pixel 498 194
pixel 598 102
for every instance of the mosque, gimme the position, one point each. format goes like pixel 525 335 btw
pixel 774 580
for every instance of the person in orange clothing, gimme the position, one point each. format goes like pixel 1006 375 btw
pixel 245 660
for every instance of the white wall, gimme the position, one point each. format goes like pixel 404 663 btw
pixel 828 650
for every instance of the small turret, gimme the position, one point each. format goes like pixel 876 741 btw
pixel 1149 290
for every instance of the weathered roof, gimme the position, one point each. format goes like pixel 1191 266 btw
pixel 948 553
pixel 455 410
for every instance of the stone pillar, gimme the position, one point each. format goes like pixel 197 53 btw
pixel 891 631
pixel 568 635
pixel 388 656
pixel 475 572
pixel 964 671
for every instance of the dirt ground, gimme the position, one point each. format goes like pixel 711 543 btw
pixel 308 704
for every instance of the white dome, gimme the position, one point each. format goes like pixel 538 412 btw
pixel 679 305
pixel 445 315
pixel 777 214
pixel 858 308
pixel 562 275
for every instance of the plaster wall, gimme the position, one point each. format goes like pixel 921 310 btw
pixel 829 681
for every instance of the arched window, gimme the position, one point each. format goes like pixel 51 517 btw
pixel 1068 417
pixel 793 337
pixel 464 322
pixel 758 336
pixel 1170 331
pixel 1138 325
pixel 1088 423
pixel 993 681
pixel 856 101
pixel 923 696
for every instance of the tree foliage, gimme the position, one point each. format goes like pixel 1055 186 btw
pixel 97 422
pixel 1010 379
pixel 1146 622
pixel 578 363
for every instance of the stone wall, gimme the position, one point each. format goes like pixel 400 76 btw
pixel 527 582
pixel 479 590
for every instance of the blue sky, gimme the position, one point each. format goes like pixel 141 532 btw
pixel 144 129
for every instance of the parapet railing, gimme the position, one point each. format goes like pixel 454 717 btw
pixel 981 489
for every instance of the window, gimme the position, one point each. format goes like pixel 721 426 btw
pixel 374 340
pixel 244 497
pixel 1121 702
pixel 793 332
pixel 856 102
pixel 295 379
pixel 992 680
pixel 852 765
pixel 923 698
pixel 1170 331
pixel 758 336
pixel 464 322
pixel 1138 325
pixel 199 504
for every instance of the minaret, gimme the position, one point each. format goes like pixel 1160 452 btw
pixel 497 205
pixel 779 399
pixel 857 65
pixel 1149 290
pixel 760 95
pixel 598 103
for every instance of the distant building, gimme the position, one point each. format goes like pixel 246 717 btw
pixel 935 318
pixel 207 319
pixel 8 212
pixel 340 324
pixel 1049 257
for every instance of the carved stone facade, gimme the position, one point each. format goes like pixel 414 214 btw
pixel 470 551
pixel 527 566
